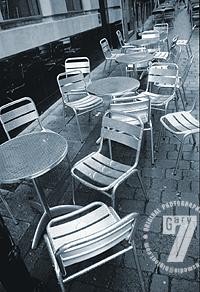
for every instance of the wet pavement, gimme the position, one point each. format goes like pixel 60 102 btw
pixel 161 185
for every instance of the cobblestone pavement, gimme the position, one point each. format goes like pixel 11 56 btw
pixel 161 185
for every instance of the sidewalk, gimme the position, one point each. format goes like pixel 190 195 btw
pixel 161 185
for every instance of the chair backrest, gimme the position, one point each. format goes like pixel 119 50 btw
pixel 136 50
pixel 122 132
pixel 150 34
pixel 162 75
pixel 68 237
pixel 15 115
pixel 105 48
pixel 161 27
pixel 78 63
pixel 120 38
pixel 70 84
pixel 133 106
pixel 174 51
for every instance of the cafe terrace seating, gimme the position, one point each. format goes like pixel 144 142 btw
pixel 103 173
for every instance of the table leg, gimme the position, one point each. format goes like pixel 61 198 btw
pixel 42 198
pixel 44 220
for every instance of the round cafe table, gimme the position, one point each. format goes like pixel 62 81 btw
pixel 134 60
pixel 28 157
pixel 113 86
pixel 145 42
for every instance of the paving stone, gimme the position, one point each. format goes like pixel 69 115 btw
pixel 168 184
pixel 159 283
pixel 145 262
pixel 184 286
pixel 153 172
pixel 129 206
pixel 188 262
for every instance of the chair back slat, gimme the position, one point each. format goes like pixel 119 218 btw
pixel 18 113
pixel 79 63
pixel 164 80
pixel 120 38
pixel 70 83
pixel 105 48
pixel 124 133
pixel 149 34
pixel 133 107
pixel 19 121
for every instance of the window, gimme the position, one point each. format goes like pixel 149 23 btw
pixel 74 5
pixel 19 8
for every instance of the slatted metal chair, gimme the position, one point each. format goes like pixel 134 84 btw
pixel 139 67
pixel 181 125
pixel 163 29
pixel 162 86
pixel 108 54
pixel 75 96
pixel 14 116
pixel 172 56
pixel 186 42
pixel 88 232
pixel 78 63
pixel 133 106
pixel 123 45
pixel 102 173
pixel 152 34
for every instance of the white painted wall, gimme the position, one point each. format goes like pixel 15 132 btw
pixel 19 39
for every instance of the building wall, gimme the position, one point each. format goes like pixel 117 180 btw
pixel 50 7
pixel 19 39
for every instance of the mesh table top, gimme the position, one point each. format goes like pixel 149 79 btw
pixel 31 155
pixel 135 58
pixel 113 85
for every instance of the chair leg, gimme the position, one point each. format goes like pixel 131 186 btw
pixel 152 145
pixel 104 68
pixel 138 267
pixel 184 95
pixel 8 209
pixel 178 158
pixel 73 191
pixel 109 66
pixel 181 96
pixel 142 185
pixel 79 128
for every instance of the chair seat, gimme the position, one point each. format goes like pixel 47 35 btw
pixel 161 55
pixel 181 122
pixel 182 42
pixel 156 99
pixel 86 103
pixel 100 169
pixel 88 235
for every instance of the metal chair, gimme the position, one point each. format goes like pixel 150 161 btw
pixel 108 54
pixel 86 233
pixel 75 96
pixel 133 106
pixel 162 85
pixel 186 43
pixel 14 116
pixel 123 45
pixel 172 56
pixel 78 63
pixel 105 174
pixel 152 34
pixel 163 29
pixel 140 67
pixel 181 125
